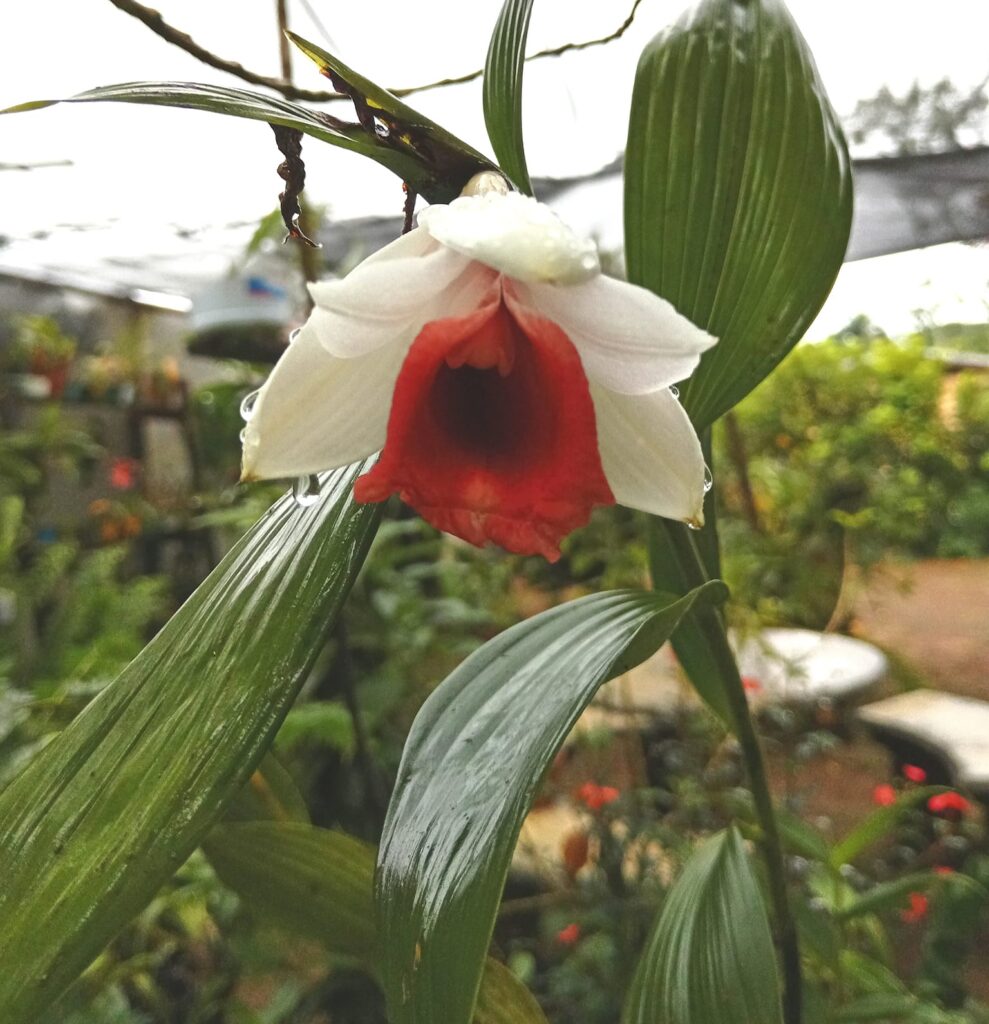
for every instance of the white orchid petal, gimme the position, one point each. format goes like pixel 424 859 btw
pixel 389 295
pixel 318 412
pixel 515 234
pixel 650 453
pixel 350 334
pixel 629 340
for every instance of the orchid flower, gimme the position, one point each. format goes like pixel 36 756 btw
pixel 509 384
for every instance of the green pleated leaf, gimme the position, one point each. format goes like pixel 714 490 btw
pixel 710 958
pixel 887 895
pixel 894 894
pixel 113 805
pixel 503 999
pixel 450 162
pixel 693 651
pixel 270 794
pixel 434 167
pixel 470 770
pixel 309 881
pixel 879 1007
pixel 738 192
pixel 318 883
pixel 503 72
pixel 878 825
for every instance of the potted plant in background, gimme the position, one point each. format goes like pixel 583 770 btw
pixel 43 350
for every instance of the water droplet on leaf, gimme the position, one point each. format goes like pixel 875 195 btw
pixel 247 404
pixel 305 490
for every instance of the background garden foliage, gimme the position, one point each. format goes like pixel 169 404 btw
pixel 838 427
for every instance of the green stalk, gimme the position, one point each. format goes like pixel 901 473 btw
pixel 710 624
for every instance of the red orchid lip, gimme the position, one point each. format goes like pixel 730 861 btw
pixel 492 434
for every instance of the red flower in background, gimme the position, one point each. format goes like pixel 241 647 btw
pixel 944 870
pixel 942 802
pixel 917 910
pixel 914 773
pixel 569 935
pixel 124 473
pixel 884 795
pixel 594 797
pixel 751 684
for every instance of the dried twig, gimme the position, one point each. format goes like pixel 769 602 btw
pixel 293 172
pixel 184 41
pixel 556 51
pixel 409 208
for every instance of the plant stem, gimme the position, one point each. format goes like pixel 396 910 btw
pixel 712 626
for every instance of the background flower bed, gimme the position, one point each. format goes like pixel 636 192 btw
pixel 856 450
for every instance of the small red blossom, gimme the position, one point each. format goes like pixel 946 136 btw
pixel 942 802
pixel 751 684
pixel 917 910
pixel 944 870
pixel 123 474
pixel 914 773
pixel 570 935
pixel 884 795
pixel 594 797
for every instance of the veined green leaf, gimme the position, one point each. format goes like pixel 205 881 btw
pixel 880 1006
pixel 503 72
pixel 319 883
pixel 308 880
pixel 710 957
pixel 503 999
pixel 887 895
pixel 111 807
pixel 694 653
pixel 436 168
pixel 893 894
pixel 270 794
pixel 472 764
pixel 871 974
pixel 738 192
pixel 878 825
pixel 451 162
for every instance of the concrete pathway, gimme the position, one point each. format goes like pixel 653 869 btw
pixel 934 617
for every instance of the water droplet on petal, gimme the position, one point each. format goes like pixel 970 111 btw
pixel 305 490
pixel 293 334
pixel 247 404
pixel 242 436
pixel 693 524
pixel 589 261
pixel 675 391
pixel 708 480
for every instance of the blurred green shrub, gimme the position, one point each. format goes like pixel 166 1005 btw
pixel 856 448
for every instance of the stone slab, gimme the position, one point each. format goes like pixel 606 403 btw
pixel 954 728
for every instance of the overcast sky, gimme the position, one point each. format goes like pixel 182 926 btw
pixel 137 170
